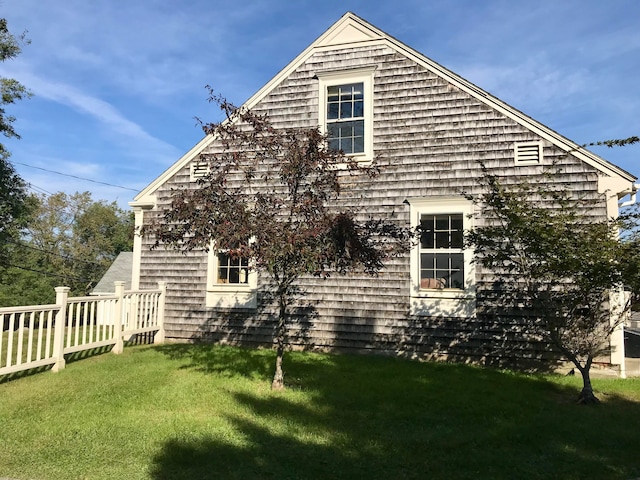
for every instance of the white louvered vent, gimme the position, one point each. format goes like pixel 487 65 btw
pixel 528 153
pixel 199 170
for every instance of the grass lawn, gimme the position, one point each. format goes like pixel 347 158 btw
pixel 191 412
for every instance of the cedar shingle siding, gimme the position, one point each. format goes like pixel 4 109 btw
pixel 428 136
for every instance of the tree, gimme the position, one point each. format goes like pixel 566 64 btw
pixel 70 240
pixel 556 264
pixel 272 197
pixel 13 206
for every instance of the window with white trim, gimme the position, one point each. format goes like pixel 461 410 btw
pixel 345 117
pixel 231 282
pixel 442 273
pixel 441 250
pixel 346 111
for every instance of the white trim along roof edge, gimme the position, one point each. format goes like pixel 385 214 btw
pixel 351 30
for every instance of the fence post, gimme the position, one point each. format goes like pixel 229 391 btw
pixel 117 319
pixel 159 337
pixel 62 293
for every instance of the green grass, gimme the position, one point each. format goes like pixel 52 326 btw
pixel 190 412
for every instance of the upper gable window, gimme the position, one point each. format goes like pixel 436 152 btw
pixel 346 111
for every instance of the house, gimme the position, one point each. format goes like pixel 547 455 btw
pixel 120 270
pixel 426 128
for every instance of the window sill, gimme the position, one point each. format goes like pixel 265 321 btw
pixel 231 296
pixel 450 303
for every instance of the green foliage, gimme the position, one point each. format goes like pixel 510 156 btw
pixel 13 207
pixel 70 240
pixel 201 411
pixel 557 261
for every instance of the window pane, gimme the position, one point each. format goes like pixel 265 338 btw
pixel 346 110
pixel 442 222
pixel 347 145
pixel 346 130
pixel 234 275
pixel 426 229
pixel 358 145
pixel 358 128
pixel 333 94
pixel 223 275
pixel 442 261
pixel 427 262
pixel 358 108
pixel 332 110
pixel 442 239
pixel 457 236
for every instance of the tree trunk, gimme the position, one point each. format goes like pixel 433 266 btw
pixel 586 396
pixel 278 377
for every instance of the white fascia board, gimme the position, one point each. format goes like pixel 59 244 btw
pixel 352 31
pixel 146 196
pixel 536 127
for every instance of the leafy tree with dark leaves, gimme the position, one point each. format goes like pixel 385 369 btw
pixel 272 197
pixel 564 270
pixel 13 193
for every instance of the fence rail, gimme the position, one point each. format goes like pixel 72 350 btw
pixel 40 335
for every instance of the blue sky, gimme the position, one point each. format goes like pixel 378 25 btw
pixel 117 83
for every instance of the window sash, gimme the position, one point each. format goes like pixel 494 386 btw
pixel 441 251
pixel 232 270
pixel 345 117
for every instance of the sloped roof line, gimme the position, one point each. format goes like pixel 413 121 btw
pixel 368 34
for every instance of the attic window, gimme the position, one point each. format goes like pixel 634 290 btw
pixel 528 153
pixel 198 170
pixel 346 111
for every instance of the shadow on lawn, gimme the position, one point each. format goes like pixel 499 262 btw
pixel 374 417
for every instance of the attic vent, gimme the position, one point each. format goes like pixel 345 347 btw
pixel 199 170
pixel 528 153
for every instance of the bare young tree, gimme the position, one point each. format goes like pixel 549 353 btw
pixel 272 197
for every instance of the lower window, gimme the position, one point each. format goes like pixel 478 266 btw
pixel 442 276
pixel 231 282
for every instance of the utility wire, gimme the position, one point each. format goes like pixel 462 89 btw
pixel 79 178
pixel 49 273
pixel 50 252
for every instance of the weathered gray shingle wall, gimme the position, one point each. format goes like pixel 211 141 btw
pixel 428 139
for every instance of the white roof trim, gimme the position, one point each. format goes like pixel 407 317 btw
pixel 350 30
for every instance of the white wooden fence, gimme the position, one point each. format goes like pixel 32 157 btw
pixel 40 335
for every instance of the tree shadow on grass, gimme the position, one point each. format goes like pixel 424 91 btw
pixel 374 417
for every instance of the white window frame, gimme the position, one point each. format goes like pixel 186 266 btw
pixel 230 295
pixel 344 77
pixel 442 302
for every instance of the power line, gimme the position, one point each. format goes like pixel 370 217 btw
pixel 50 252
pixel 50 274
pixel 75 176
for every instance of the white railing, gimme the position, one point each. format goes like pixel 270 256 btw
pixel 41 335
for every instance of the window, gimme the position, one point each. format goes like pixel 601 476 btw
pixel 232 270
pixel 346 111
pixel 441 252
pixel 442 274
pixel 231 282
pixel 345 117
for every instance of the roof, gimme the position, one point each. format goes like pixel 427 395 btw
pixel 351 30
pixel 120 270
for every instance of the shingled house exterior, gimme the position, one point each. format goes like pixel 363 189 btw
pixel 427 129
